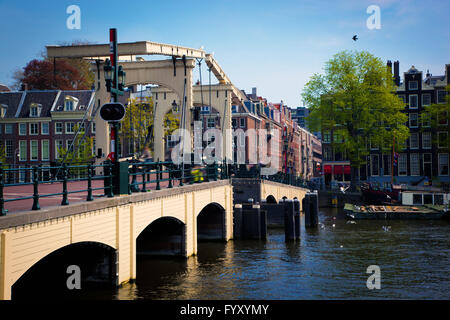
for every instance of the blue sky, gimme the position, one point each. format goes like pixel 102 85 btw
pixel 273 45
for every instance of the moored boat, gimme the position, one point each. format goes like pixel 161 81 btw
pixel 391 212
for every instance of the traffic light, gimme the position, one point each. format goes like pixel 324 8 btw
pixel 112 111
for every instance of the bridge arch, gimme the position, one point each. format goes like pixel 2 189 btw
pixel 49 276
pixel 211 223
pixel 165 236
pixel 271 199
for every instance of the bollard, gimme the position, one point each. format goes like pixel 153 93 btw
pixel 307 210
pixel 297 219
pixel 289 221
pixel 237 221
pixel 314 208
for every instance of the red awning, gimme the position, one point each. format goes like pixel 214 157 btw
pixel 347 170
pixel 327 169
pixel 337 169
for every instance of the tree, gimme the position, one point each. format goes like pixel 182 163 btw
pixel 138 121
pixel 355 102
pixel 45 75
pixel 55 74
pixel 80 153
pixel 438 117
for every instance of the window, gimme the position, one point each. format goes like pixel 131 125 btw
pixel 69 146
pixel 415 164
pixel 374 164
pixel 59 145
pixel 33 150
pixel 402 164
pixel 413 101
pixel 328 153
pixel 426 140
pixel 414 141
pixel 211 122
pixel 327 137
pixel 45 128
pixel 8 128
pixel 443 118
pixel 413 120
pixel 426 99
pixel 9 149
pixel 22 150
pixel 93 127
pixel 442 139
pixel 3 109
pixel 233 109
pixel 412 85
pixel 443 164
pixel 68 105
pixel 45 151
pixel 34 112
pixel 242 122
pixel 426 120
pixel 70 127
pixel 58 128
pixel 233 123
pixel 34 129
pixel 441 96
pixel 387 164
pixel 22 129
pixel 204 109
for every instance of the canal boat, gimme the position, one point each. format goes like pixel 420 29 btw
pixel 392 212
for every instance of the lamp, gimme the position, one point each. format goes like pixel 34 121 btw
pixel 122 77
pixel 108 69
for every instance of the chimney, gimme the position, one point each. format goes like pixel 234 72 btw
pixel 389 65
pixel 447 72
pixel 254 91
pixel 397 73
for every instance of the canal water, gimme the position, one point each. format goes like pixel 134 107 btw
pixel 329 262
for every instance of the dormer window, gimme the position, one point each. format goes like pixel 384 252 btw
pixel 3 109
pixel 70 103
pixel 35 110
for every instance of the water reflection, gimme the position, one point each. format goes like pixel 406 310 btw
pixel 329 262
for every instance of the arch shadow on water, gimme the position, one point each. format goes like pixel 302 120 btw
pixel 49 277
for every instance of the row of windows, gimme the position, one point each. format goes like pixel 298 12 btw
pixel 32 129
pixel 414 162
pixel 426 99
pixel 31 149
pixel 234 122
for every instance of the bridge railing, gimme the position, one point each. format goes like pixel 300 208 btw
pixel 85 179
pixel 241 171
pixel 44 182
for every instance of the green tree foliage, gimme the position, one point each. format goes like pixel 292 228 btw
pixel 81 152
pixel 355 102
pixel 438 117
pixel 138 121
